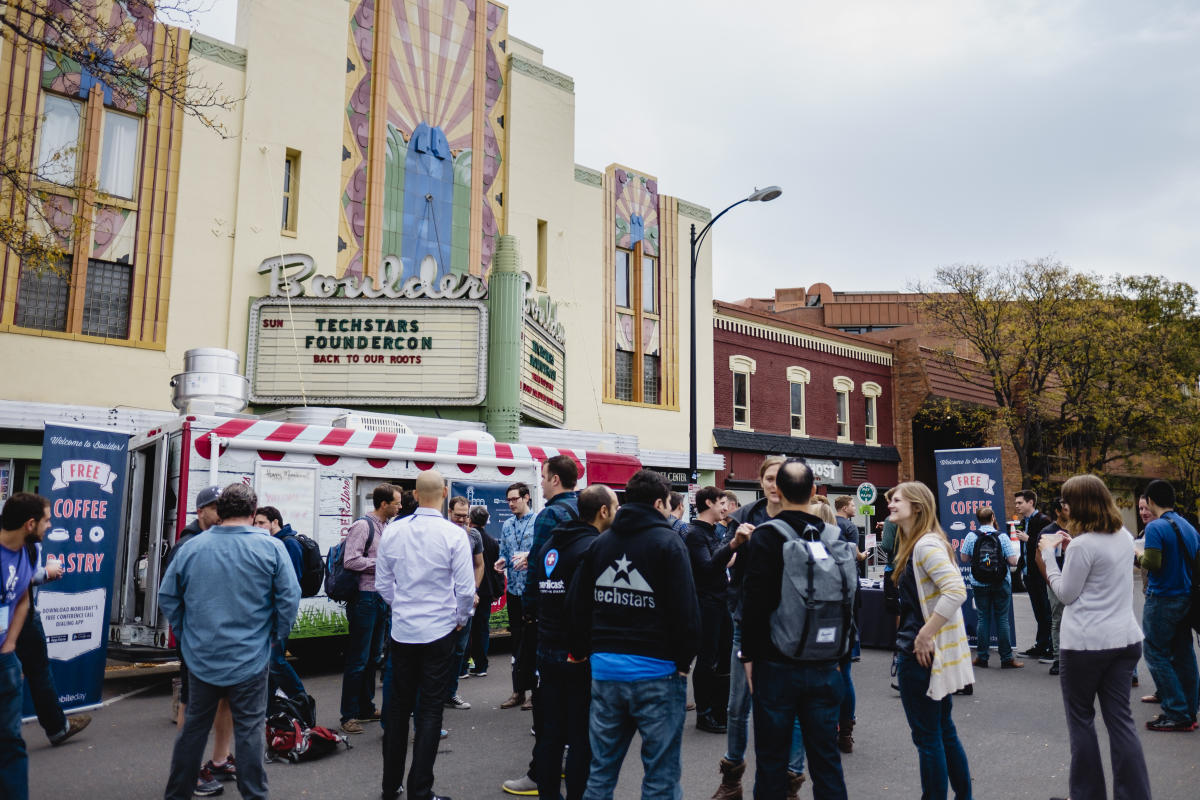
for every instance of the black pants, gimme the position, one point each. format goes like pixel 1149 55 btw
pixel 35 663
pixel 481 631
pixel 1036 586
pixel 424 671
pixel 710 680
pixel 565 696
pixel 524 645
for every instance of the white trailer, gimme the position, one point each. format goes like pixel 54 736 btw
pixel 321 479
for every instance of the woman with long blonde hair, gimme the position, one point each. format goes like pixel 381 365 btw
pixel 933 659
pixel 1100 639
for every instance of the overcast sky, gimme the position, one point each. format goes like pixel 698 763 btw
pixel 906 135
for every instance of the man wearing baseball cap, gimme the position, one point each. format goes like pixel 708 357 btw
pixel 221 767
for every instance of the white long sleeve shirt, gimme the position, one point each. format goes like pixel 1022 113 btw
pixel 424 572
pixel 1096 585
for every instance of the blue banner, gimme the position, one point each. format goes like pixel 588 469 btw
pixel 492 496
pixel 968 480
pixel 83 477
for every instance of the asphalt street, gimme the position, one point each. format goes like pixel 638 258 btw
pixel 1013 730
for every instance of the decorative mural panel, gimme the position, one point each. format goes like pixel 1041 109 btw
pixel 636 200
pixel 114 234
pixel 650 340
pixel 624 332
pixel 425 104
pixel 69 77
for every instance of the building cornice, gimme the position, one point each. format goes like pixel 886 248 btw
pixel 542 73
pixel 589 176
pixel 219 52
pixel 694 211
pixel 786 334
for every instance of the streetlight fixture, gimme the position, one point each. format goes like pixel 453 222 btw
pixel 758 195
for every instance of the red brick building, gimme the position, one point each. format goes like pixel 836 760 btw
pixel 801 390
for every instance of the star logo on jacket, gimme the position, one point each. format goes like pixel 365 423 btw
pixel 621 584
pixel 550 561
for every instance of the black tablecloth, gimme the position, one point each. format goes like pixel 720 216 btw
pixel 876 627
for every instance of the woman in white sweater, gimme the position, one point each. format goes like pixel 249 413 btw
pixel 1100 641
pixel 933 659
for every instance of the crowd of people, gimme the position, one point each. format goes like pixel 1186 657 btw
pixel 612 605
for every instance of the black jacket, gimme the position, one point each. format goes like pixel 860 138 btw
pixel 755 514
pixel 633 592
pixel 764 578
pixel 554 570
pixel 1034 526
pixel 709 560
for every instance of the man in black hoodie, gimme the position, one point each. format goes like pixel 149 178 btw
pixel 634 613
pixel 784 688
pixel 565 684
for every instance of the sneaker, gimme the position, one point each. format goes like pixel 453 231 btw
pixel 1054 669
pixel 351 726
pixel 74 726
pixel 207 785
pixel 223 772
pixel 479 673
pixel 1047 659
pixel 523 785
pixel 1013 664
pixel 457 702
pixel 1033 652
pixel 465 675
pixel 1164 723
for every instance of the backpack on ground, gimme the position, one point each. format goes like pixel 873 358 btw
pixel 814 620
pixel 341 584
pixel 312 566
pixel 988 564
pixel 291 734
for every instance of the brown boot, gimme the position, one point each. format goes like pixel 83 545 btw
pixel 794 783
pixel 516 699
pixel 846 736
pixel 731 781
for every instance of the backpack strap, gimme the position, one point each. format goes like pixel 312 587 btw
pixel 1183 553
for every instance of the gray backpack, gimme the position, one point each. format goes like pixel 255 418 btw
pixel 816 601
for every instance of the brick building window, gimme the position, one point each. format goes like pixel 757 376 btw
pixel 798 378
pixel 843 386
pixel 742 367
pixel 871 392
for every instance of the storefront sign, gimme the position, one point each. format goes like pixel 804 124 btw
pixel 288 273
pixel 368 352
pixel 83 477
pixel 543 375
pixel 825 471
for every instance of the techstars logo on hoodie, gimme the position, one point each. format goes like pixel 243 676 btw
pixel 622 585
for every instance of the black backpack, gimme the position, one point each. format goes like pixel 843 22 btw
pixel 492 580
pixel 313 566
pixel 1191 568
pixel 988 564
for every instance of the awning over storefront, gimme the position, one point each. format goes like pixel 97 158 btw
pixel 796 446
pixel 611 469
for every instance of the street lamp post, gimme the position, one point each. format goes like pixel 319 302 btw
pixel 759 195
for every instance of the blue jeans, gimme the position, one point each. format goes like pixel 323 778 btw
pixel 1169 654
pixel 14 763
pixel 654 708
pixel 248 704
pixel 939 751
pixel 992 603
pixel 738 714
pixel 787 694
pixel 31 649
pixel 849 699
pixel 283 676
pixel 368 618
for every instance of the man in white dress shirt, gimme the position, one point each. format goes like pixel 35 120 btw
pixel 423 572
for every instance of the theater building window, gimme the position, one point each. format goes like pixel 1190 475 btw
pixel 640 341
pixel 798 379
pixel 843 386
pixel 871 392
pixel 741 368
pixel 105 166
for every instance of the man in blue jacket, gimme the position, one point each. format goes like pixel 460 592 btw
pixel 226 635
pixel 283 675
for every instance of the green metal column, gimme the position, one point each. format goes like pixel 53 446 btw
pixel 506 306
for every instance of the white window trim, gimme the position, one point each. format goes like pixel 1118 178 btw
pixel 742 365
pixel 803 377
pixel 843 385
pixel 872 391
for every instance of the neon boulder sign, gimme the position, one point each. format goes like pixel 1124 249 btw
pixel 288 273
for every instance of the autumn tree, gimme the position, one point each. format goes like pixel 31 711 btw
pixel 110 43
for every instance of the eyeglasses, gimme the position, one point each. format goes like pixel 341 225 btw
pixel 513 499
